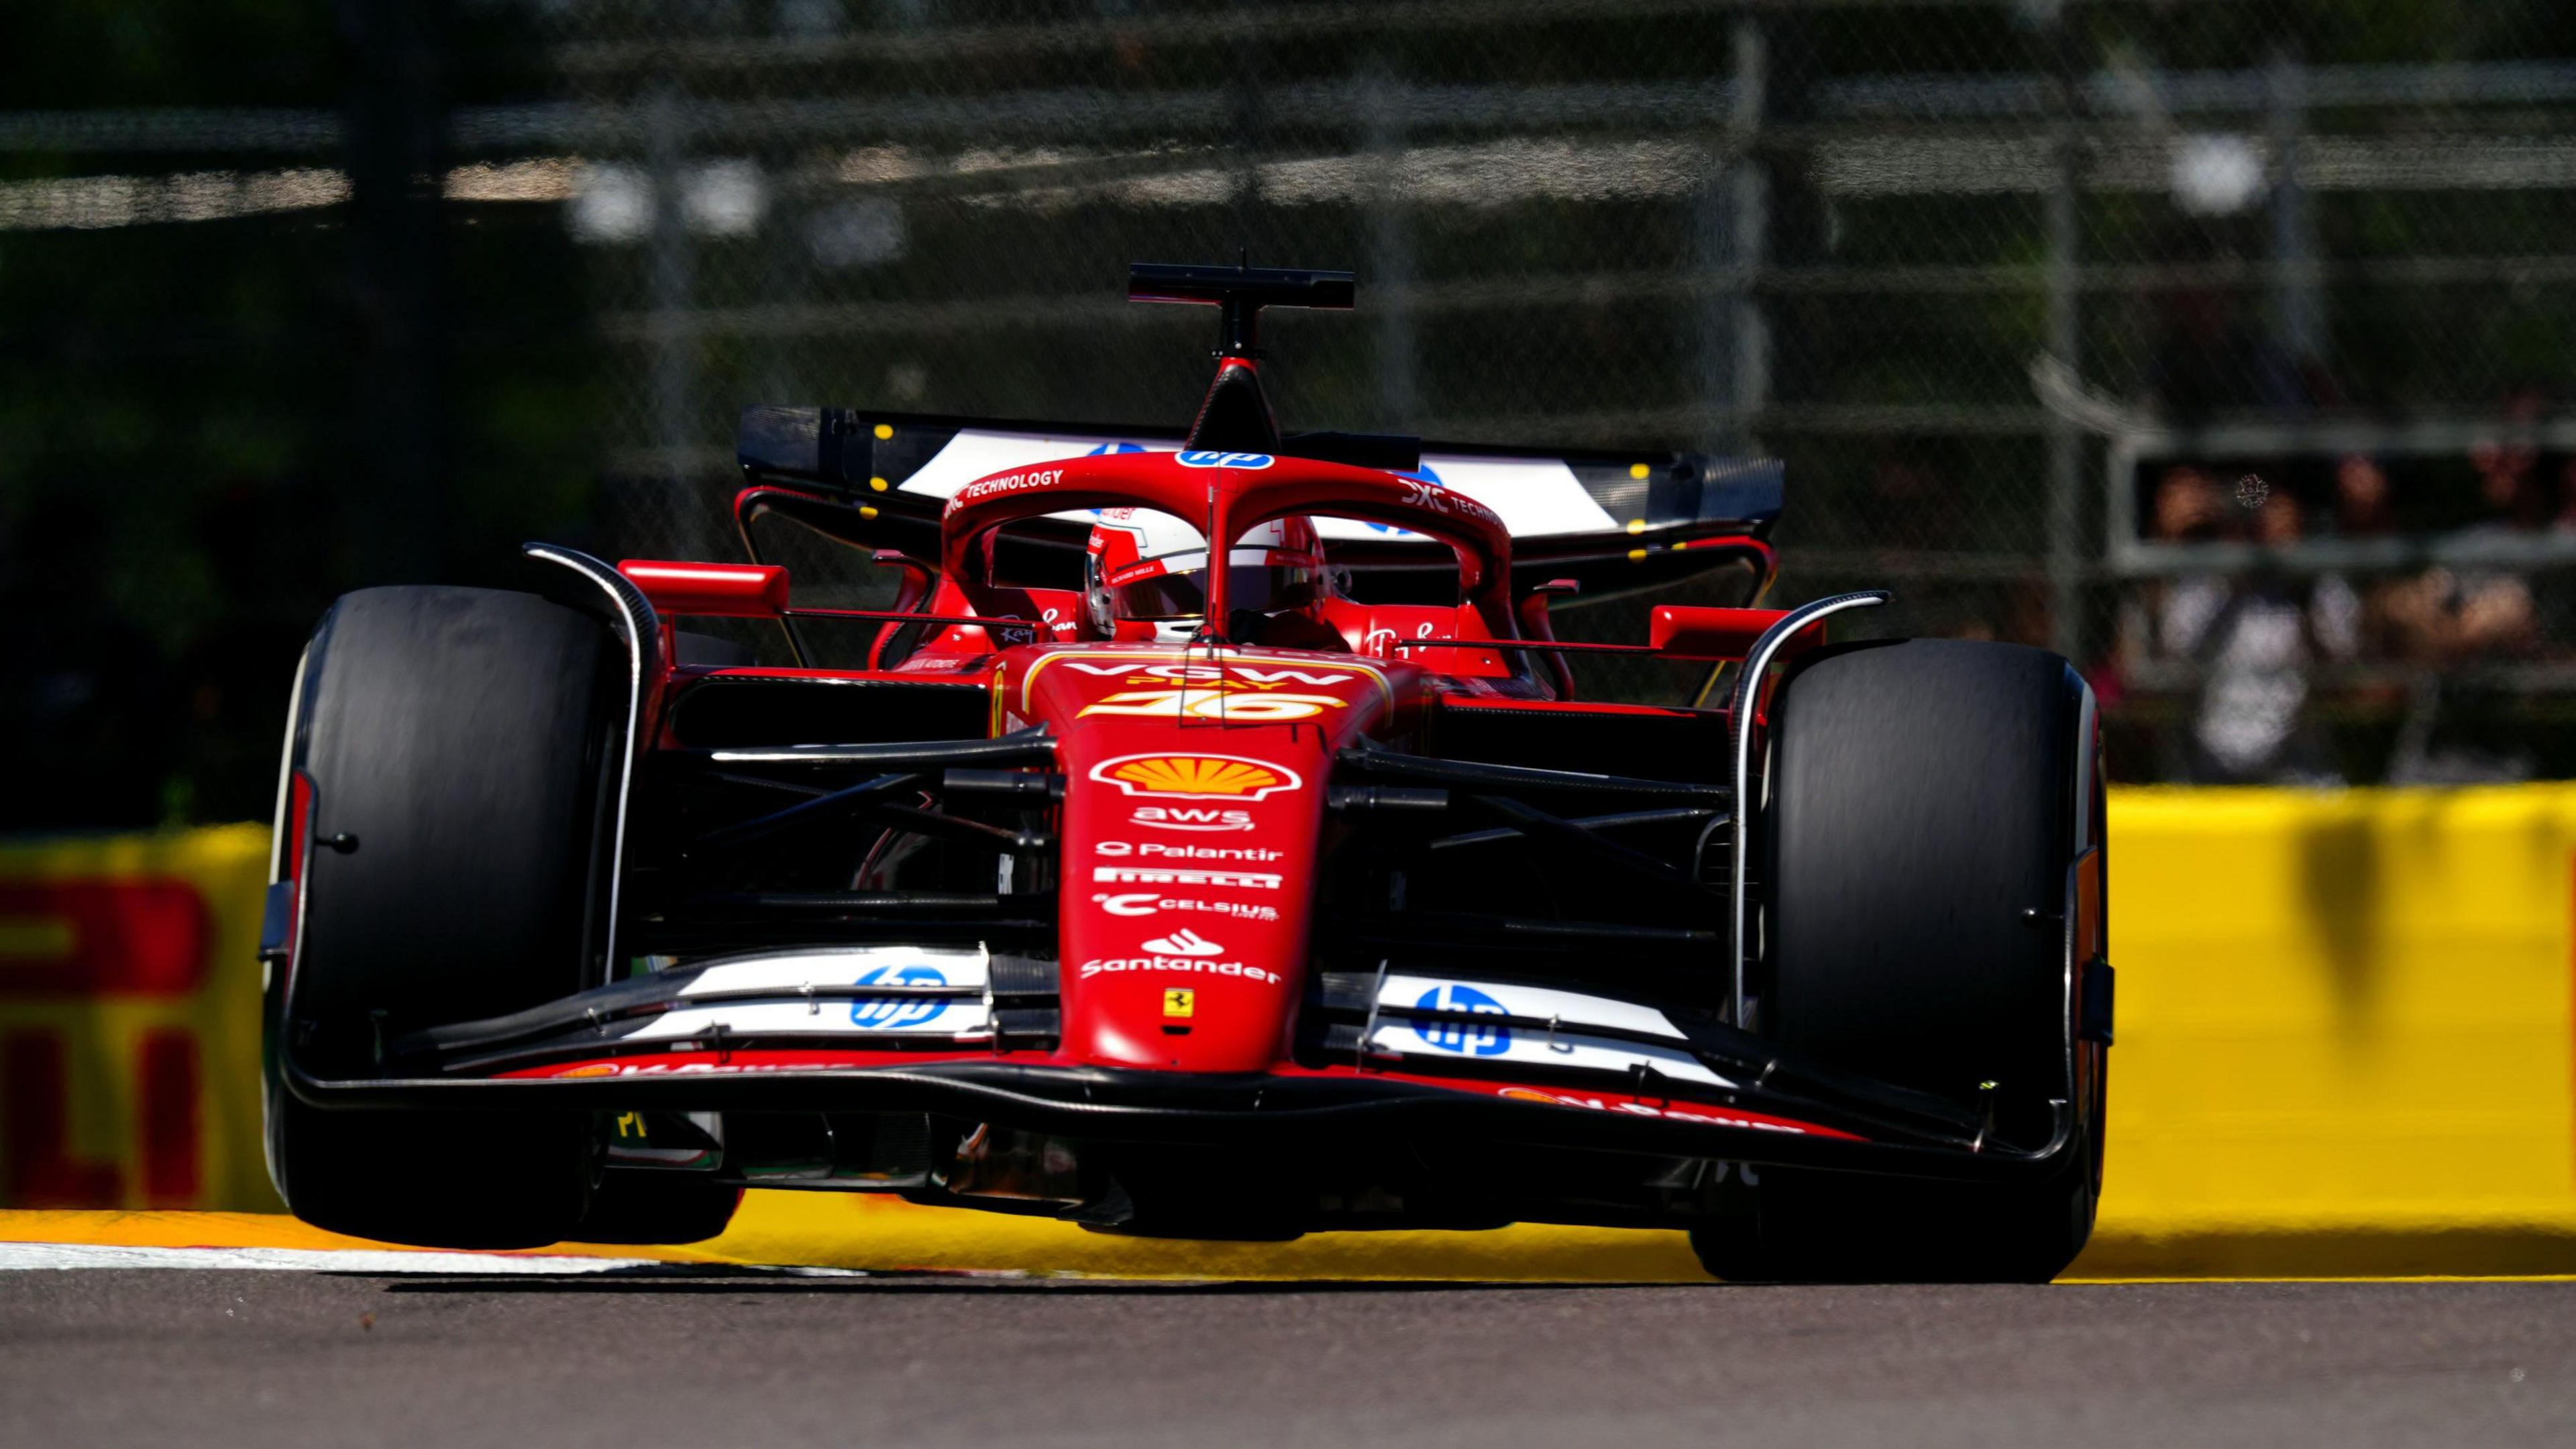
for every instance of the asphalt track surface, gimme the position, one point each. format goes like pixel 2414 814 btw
pixel 161 1358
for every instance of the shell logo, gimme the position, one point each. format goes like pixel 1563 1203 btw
pixel 1196 777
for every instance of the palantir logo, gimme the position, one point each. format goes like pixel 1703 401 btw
pixel 890 1013
pixel 1464 1038
pixel 1201 458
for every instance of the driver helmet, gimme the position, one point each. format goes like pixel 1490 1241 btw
pixel 1145 576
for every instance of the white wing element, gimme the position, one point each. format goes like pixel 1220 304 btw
pixel 1534 496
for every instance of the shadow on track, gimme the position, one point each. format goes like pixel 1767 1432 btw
pixel 726 1279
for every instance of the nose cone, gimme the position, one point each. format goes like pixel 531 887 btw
pixel 1194 796
pixel 1188 860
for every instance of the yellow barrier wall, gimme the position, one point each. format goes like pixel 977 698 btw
pixel 2344 1031
pixel 129 1021
pixel 2346 1045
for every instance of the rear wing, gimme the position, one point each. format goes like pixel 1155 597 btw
pixel 1634 519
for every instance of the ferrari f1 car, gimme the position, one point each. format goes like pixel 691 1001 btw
pixel 1207 841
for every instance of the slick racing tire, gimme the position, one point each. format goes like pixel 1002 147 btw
pixel 1926 798
pixel 455 741
pixel 649 1205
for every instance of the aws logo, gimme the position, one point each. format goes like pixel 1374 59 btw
pixel 1192 817
pixel 1197 777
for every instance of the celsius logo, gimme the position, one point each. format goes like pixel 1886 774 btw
pixel 1197 777
pixel 892 1013
pixel 1200 458
pixel 1465 1038
pixel 1148 903
pixel 1188 943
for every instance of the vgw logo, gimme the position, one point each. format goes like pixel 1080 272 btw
pixel 892 1013
pixel 1464 1038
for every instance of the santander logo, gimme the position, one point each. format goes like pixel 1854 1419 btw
pixel 1184 942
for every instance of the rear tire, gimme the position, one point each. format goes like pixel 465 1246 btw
pixel 455 740
pixel 1926 797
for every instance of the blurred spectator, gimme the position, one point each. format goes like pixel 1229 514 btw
pixel 2188 507
pixel 2450 621
pixel 2506 464
pixel 2255 639
pixel 2446 618
pixel 2362 508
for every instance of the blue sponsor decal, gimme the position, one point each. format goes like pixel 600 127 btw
pixel 1199 458
pixel 1111 450
pixel 889 1012
pixel 1464 1038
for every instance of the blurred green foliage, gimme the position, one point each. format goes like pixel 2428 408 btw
pixel 186 462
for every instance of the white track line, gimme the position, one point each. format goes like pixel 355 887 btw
pixel 26 1256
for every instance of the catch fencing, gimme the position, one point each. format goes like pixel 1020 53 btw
pixel 2069 317
pixel 1963 266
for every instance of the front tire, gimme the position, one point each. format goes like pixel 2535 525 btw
pixel 1927 798
pixel 454 741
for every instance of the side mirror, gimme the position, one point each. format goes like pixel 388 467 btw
pixel 1533 621
pixel 1687 632
pixel 916 577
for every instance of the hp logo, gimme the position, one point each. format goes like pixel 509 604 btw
pixel 1464 1038
pixel 891 1013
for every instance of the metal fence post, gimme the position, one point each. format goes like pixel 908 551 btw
pixel 2297 326
pixel 668 282
pixel 397 458
pixel 1735 354
pixel 1389 274
pixel 2065 343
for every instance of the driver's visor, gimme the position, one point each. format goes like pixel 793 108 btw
pixel 1175 585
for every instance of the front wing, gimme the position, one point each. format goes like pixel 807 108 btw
pixel 963 1033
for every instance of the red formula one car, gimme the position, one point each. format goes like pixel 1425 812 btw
pixel 1233 891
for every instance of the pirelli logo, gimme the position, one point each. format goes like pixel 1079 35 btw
pixel 1148 875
